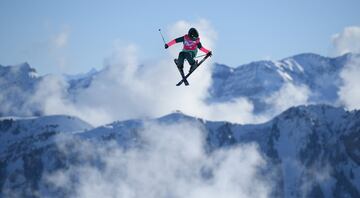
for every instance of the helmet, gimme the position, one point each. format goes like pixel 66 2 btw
pixel 193 34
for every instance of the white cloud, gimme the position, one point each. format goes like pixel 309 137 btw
pixel 171 162
pixel 126 89
pixel 9 100
pixel 289 95
pixel 61 39
pixel 58 49
pixel 239 110
pixel 349 92
pixel 51 95
pixel 347 41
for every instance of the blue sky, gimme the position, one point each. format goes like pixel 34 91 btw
pixel 74 36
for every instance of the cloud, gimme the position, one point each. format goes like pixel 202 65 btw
pixel 58 48
pixel 347 41
pixel 61 39
pixel 52 96
pixel 127 89
pixel 302 178
pixel 344 42
pixel 239 110
pixel 171 162
pixel 9 100
pixel 289 95
pixel 14 92
pixel 349 92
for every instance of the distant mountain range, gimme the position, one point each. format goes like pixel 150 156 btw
pixel 309 150
pixel 257 81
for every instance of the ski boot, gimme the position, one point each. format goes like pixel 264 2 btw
pixel 193 66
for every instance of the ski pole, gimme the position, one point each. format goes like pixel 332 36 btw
pixel 200 56
pixel 162 36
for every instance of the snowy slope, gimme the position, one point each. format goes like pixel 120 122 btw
pixel 19 128
pixel 315 149
pixel 312 151
pixel 80 81
pixel 259 80
pixel 25 149
pixel 25 134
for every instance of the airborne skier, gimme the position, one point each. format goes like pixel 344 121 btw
pixel 191 42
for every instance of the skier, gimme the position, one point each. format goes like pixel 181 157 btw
pixel 191 42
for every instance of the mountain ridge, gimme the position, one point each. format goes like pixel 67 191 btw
pixel 255 81
pixel 311 136
pixel 309 150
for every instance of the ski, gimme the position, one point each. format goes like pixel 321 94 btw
pixel 184 80
pixel 181 73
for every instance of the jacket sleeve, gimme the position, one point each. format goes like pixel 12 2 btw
pixel 203 48
pixel 177 40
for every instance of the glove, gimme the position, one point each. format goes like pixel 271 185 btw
pixel 209 53
pixel 166 46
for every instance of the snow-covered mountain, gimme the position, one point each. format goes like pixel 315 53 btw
pixel 17 84
pixel 81 81
pixel 25 150
pixel 260 80
pixel 310 151
pixel 257 81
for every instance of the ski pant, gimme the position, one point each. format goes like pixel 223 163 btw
pixel 188 55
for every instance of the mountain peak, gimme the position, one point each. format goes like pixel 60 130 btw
pixel 22 69
pixel 307 55
pixel 25 66
pixel 176 116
